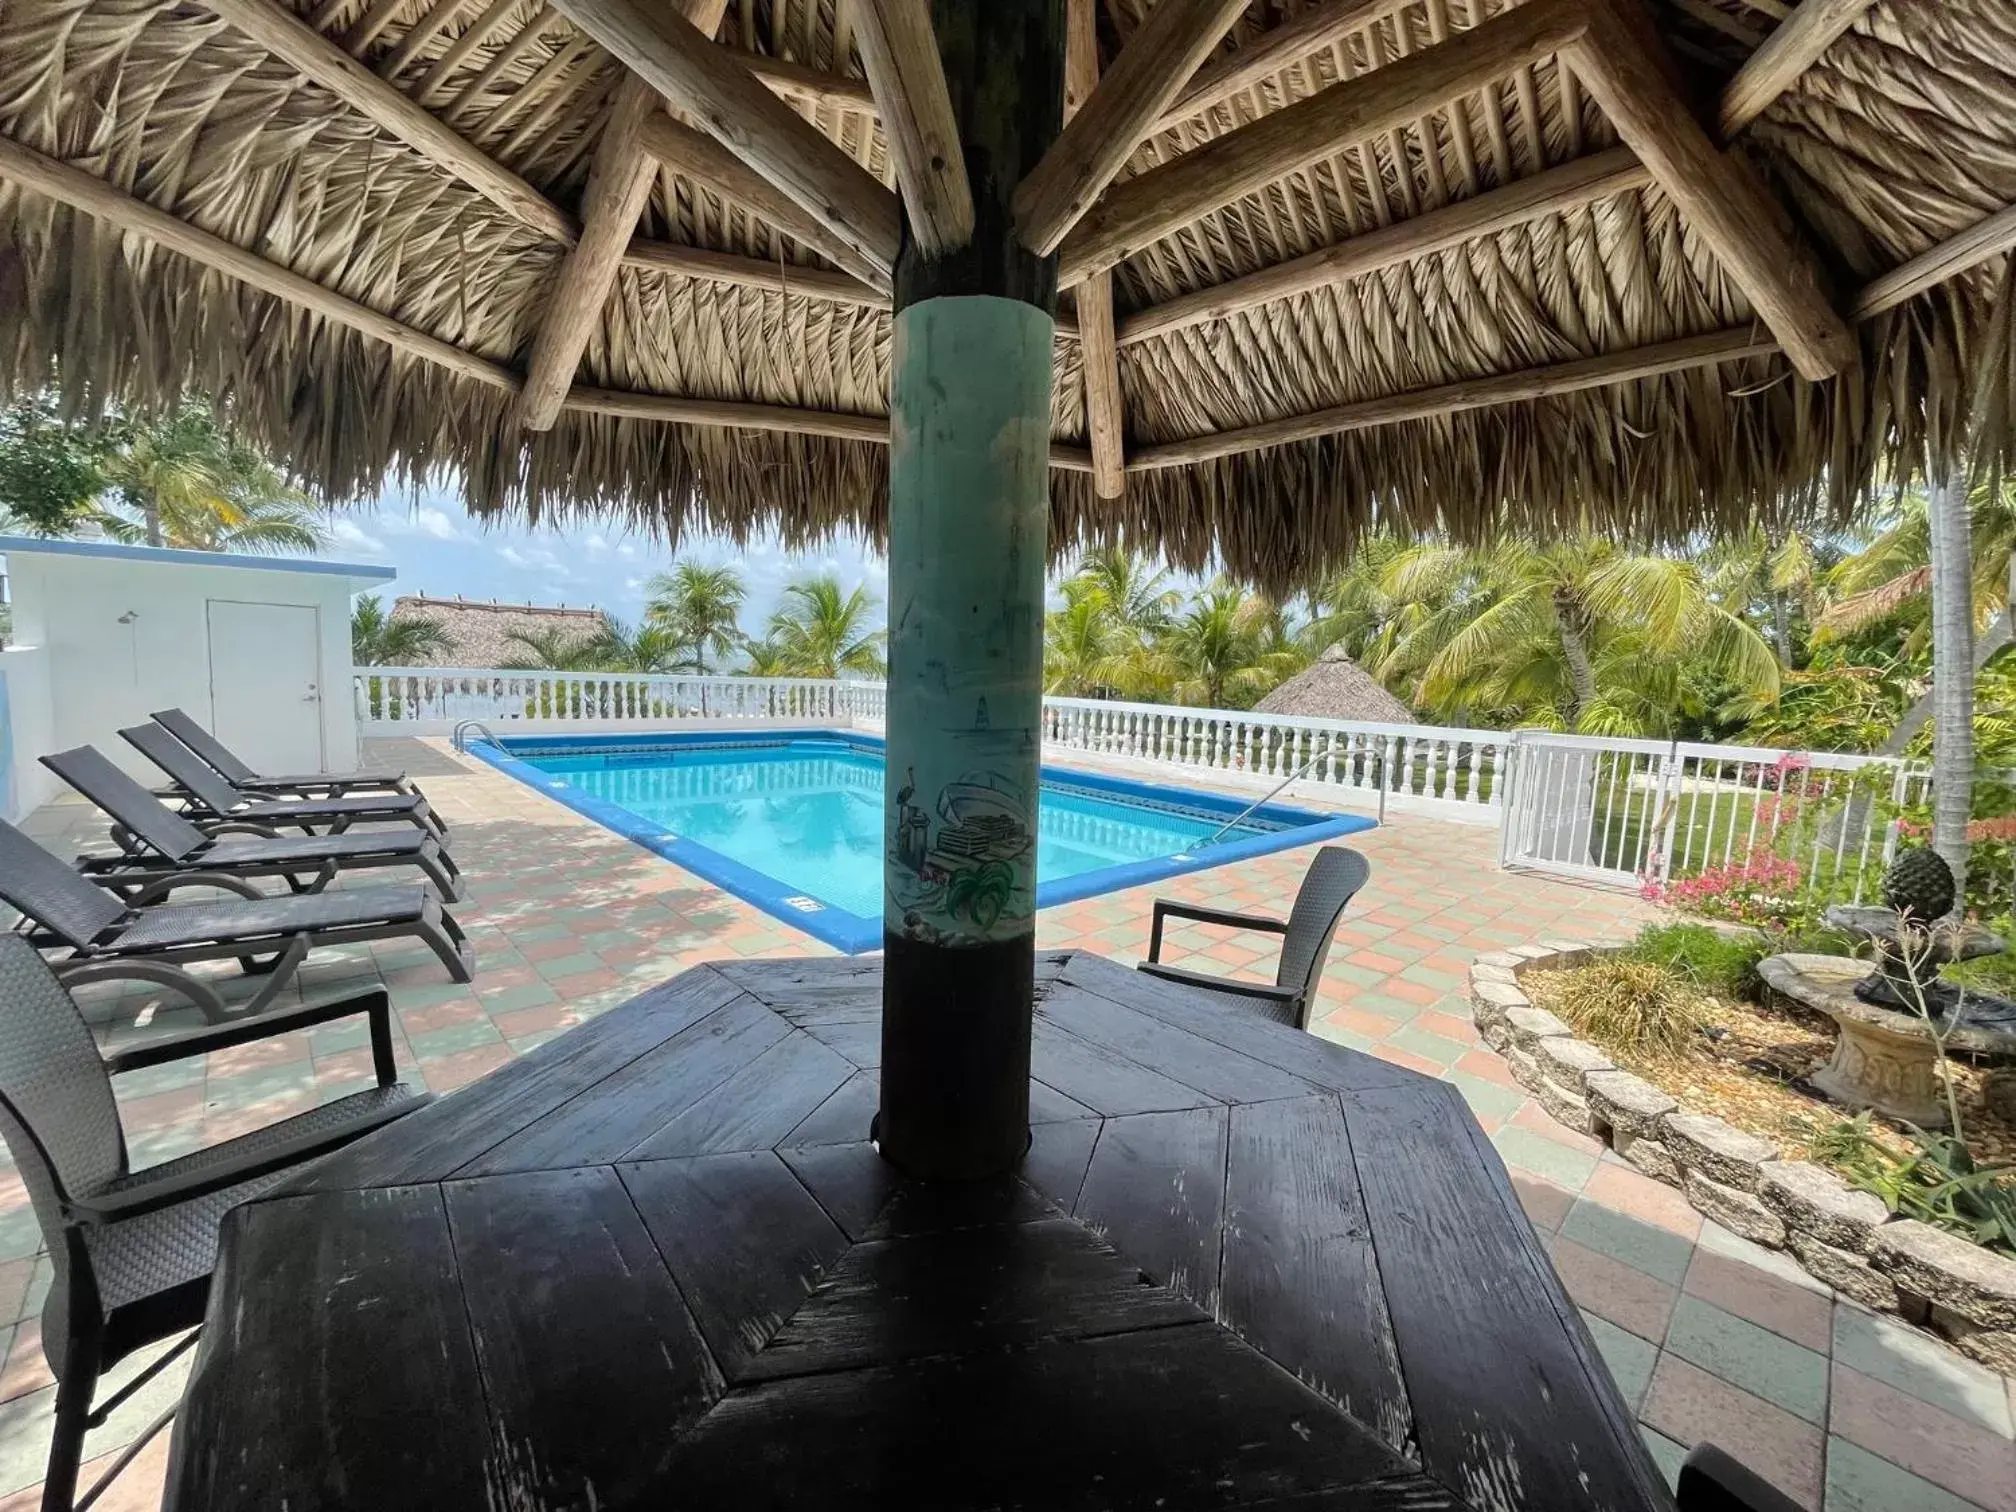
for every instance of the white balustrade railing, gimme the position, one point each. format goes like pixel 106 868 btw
pixel 433 699
pixel 1419 761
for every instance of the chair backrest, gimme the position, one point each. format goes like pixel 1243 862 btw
pixel 203 743
pixel 50 893
pixel 1335 874
pixel 91 772
pixel 181 764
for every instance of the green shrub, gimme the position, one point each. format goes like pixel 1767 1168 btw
pixel 1714 962
pixel 1626 1005
pixel 1937 1182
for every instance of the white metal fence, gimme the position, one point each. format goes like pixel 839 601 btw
pixel 1616 811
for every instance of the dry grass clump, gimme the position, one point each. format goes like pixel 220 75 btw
pixel 1636 1007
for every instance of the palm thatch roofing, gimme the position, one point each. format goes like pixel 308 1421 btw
pixel 479 633
pixel 1515 294
pixel 1336 687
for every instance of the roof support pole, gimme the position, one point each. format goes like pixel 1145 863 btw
pixel 969 503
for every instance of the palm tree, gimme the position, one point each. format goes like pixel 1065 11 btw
pixel 1136 593
pixel 195 486
pixel 553 649
pixel 616 647
pixel 1085 645
pixel 700 606
pixel 1222 646
pixel 1750 571
pixel 820 630
pixel 1953 669
pixel 1559 630
pixel 766 658
pixel 379 640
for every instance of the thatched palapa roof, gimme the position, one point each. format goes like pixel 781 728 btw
pixel 1336 687
pixel 479 633
pixel 1435 260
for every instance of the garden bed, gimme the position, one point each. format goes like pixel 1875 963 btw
pixel 1732 1137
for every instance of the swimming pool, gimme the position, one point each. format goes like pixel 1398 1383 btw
pixel 792 821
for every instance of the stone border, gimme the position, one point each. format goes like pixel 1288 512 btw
pixel 1961 1292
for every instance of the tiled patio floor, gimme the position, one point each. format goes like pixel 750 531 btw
pixel 1709 1336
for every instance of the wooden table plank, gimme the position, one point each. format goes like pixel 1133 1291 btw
pixel 1295 1228
pixel 1064 1426
pixel 626 1108
pixel 860 1040
pixel 1156 1191
pixel 321 1400
pixel 1221 1074
pixel 1511 1400
pixel 812 987
pixel 1102 1080
pixel 757 1106
pixel 590 1361
pixel 1058 1156
pixel 964 1290
pixel 742 1238
pixel 451 1131
pixel 845 1117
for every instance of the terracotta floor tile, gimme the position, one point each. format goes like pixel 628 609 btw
pixel 1689 1405
pixel 1626 1191
pixel 1965 1458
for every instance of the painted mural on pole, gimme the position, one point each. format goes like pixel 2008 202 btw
pixel 969 506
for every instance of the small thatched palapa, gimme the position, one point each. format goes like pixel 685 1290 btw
pixel 1443 261
pixel 1336 687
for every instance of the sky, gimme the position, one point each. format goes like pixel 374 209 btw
pixel 437 549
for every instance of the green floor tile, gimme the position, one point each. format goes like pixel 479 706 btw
pixel 1653 1250
pixel 1898 1355
pixel 1412 1037
pixel 1484 1096
pixel 1858 1481
pixel 1754 1358
pixel 1544 1157
pixel 1666 1454
pixel 1629 1357
pixel 454 1037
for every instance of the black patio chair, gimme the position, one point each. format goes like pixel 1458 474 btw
pixel 158 845
pixel 1714 1481
pixel 104 936
pixel 1335 874
pixel 206 794
pixel 133 1250
pixel 221 759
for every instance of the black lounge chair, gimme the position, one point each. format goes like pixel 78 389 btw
pixel 219 758
pixel 133 1250
pixel 207 794
pixel 105 938
pixel 159 845
pixel 1332 878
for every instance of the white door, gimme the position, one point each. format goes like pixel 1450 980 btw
pixel 266 683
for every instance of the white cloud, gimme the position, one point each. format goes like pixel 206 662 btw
pixel 626 550
pixel 595 545
pixel 436 524
pixel 353 537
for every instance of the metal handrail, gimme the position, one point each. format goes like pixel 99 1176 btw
pixel 1379 762
pixel 460 738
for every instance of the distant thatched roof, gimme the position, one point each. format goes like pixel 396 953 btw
pixel 1336 687
pixel 438 186
pixel 478 632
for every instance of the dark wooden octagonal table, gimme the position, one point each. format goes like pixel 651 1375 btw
pixel 656 1263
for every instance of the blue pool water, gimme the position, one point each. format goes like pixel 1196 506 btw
pixel 794 823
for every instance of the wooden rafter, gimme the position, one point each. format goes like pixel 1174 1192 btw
pixel 731 271
pixel 1571 185
pixel 1094 146
pixel 1140 211
pixel 699 155
pixel 1786 54
pixel 1099 351
pixel 900 53
pixel 619 183
pixel 315 57
pixel 752 122
pixel 813 86
pixel 1623 66
pixel 1281 47
pixel 1473 393
pixel 1970 248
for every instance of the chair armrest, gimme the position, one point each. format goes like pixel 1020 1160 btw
pixel 376 1002
pixel 1267 990
pixel 1170 908
pixel 1713 1481
pixel 139 1198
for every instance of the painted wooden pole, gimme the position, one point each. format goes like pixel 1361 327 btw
pixel 969 499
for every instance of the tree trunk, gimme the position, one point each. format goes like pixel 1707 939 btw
pixel 1781 626
pixel 969 498
pixel 2000 634
pixel 1575 647
pixel 1952 672
pixel 150 511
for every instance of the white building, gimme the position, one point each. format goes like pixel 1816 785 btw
pixel 257 648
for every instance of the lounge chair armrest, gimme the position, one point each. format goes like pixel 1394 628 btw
pixel 1170 908
pixel 1711 1479
pixel 139 1198
pixel 376 1002
pixel 215 827
pixel 1266 990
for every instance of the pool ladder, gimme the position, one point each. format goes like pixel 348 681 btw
pixel 1379 762
pixel 460 739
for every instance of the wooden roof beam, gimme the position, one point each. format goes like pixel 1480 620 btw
pixel 1099 350
pixel 320 60
pixel 1094 146
pixel 1140 211
pixel 1984 239
pixel 701 157
pixel 1624 67
pixel 731 271
pixel 785 149
pixel 1571 185
pixel 1281 47
pixel 1786 54
pixel 900 52
pixel 1469 394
